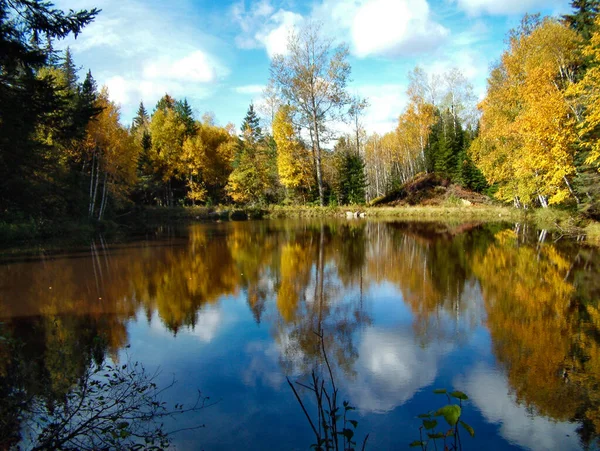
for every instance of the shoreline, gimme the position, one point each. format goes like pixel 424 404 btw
pixel 14 235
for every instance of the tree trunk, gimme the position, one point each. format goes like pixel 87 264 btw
pixel 95 194
pixel 103 203
pixel 91 185
pixel 571 189
pixel 318 158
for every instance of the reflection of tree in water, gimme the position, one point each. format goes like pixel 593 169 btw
pixel 430 265
pixel 91 403
pixel 311 297
pixel 542 306
pixel 544 327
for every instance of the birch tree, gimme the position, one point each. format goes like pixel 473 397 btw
pixel 312 78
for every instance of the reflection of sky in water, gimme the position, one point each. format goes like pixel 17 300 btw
pixel 237 362
pixel 407 345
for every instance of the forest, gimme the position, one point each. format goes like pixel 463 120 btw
pixel 66 153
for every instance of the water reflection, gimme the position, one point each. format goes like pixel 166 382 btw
pixel 403 306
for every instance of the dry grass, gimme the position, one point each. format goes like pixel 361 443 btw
pixel 592 231
pixel 416 213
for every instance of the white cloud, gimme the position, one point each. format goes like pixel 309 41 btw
pixel 249 89
pixel 386 102
pixel 375 27
pixel 197 67
pixel 489 391
pixel 263 26
pixel 142 50
pixel 505 7
pixel 264 365
pixel 394 27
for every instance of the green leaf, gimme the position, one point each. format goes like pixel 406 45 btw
pixel 440 391
pixel 353 423
pixel 416 443
pixel 424 415
pixel 436 435
pixel 450 412
pixel 469 429
pixel 459 395
pixel 348 433
pixel 430 424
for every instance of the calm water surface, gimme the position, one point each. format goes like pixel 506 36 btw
pixel 231 309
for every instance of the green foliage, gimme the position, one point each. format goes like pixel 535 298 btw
pixel 33 176
pixel 350 181
pixel 583 17
pixel 451 413
pixel 446 153
pixel 250 128
pixel 332 428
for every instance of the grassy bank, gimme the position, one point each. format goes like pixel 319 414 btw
pixel 416 213
pixel 139 219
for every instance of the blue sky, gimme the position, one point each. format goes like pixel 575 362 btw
pixel 217 53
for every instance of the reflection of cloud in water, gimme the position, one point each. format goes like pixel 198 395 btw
pixel 391 368
pixel 264 365
pixel 207 325
pixel 489 391
pixel 206 328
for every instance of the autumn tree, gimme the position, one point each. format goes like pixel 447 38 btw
pixel 312 78
pixel 586 95
pixel 113 157
pixel 527 126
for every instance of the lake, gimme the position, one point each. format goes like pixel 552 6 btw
pixel 502 312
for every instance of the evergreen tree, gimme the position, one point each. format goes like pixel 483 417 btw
pixel 68 67
pixel 252 123
pixel 184 110
pixel 583 16
pixel 166 102
pixel 28 168
pixel 350 180
pixel 85 104
pixel 435 143
pixel 141 119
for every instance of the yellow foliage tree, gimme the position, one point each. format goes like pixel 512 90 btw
pixel 293 163
pixel 114 155
pixel 527 126
pixel 587 93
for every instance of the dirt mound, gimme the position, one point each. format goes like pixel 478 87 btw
pixel 431 189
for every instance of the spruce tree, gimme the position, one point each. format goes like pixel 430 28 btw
pixel 583 16
pixel 166 102
pixel 251 125
pixel 70 70
pixel 28 102
pixel 141 119
pixel 184 110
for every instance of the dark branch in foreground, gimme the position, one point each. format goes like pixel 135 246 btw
pixel 112 407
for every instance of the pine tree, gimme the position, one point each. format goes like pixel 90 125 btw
pixel 85 104
pixel 184 110
pixel 28 102
pixel 252 123
pixel 350 180
pixel 70 70
pixel 583 16
pixel 166 102
pixel 141 119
